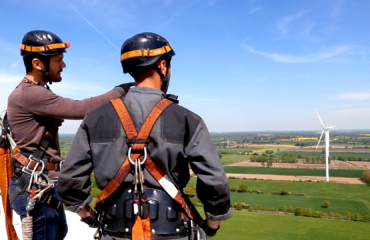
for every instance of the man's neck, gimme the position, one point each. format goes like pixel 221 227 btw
pixel 35 78
pixel 150 82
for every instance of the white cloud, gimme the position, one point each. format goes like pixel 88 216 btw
pixel 315 57
pixel 88 22
pixel 8 82
pixel 255 9
pixel 286 23
pixel 70 126
pixel 16 63
pixel 355 96
pixel 211 2
pixel 336 8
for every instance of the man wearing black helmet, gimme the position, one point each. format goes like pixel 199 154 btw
pixel 34 114
pixel 139 147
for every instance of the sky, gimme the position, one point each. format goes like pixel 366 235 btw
pixel 242 65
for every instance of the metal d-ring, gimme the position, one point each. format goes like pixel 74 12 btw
pixel 132 162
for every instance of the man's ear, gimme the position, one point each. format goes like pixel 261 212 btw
pixel 162 65
pixel 38 64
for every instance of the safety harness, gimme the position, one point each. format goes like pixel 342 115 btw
pixel 29 170
pixel 137 157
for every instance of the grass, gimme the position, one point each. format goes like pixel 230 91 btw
pixel 319 153
pixel 276 201
pixel 231 158
pixel 294 171
pixel 254 149
pixel 246 225
pixel 322 190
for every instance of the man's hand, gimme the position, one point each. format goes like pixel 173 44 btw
pixel 208 230
pixel 91 220
pixel 89 216
pixel 126 86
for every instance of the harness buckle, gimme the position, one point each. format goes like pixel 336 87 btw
pixel 27 168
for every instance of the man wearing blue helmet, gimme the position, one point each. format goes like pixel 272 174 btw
pixel 34 115
pixel 139 147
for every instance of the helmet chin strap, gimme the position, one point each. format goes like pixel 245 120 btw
pixel 46 73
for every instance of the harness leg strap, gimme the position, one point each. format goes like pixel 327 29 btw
pixel 21 186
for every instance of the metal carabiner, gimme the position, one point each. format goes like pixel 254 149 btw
pixel 136 177
pixel 27 170
pixel 133 162
pixel 141 177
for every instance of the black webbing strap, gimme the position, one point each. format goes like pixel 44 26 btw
pixel 48 137
pixel 24 178
pixel 20 187
pixel 51 201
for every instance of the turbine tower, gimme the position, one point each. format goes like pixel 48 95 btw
pixel 326 131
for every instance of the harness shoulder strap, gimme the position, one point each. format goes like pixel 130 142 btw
pixel 131 133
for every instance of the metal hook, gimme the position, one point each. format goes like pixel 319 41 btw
pixel 133 162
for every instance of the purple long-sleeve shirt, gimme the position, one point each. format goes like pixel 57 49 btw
pixel 31 107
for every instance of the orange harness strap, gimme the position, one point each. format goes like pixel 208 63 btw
pixel 141 228
pixel 5 177
pixel 24 161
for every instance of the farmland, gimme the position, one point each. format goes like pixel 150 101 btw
pixel 259 224
pixel 250 225
pixel 296 172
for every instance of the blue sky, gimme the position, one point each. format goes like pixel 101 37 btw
pixel 252 65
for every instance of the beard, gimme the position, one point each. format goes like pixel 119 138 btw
pixel 55 77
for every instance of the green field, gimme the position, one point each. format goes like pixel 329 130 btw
pixel 246 225
pixel 231 158
pixel 310 189
pixel 234 157
pixel 276 201
pixel 254 149
pixel 319 153
pixel 345 197
pixel 294 171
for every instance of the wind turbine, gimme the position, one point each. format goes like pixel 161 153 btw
pixel 326 131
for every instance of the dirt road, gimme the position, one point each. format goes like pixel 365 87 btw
pixel 296 178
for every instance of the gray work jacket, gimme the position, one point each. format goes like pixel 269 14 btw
pixel 179 137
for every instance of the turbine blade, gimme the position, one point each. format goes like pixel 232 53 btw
pixel 319 140
pixel 320 119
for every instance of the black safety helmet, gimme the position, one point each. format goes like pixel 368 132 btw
pixel 143 50
pixel 42 44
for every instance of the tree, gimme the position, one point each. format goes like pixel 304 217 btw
pixel 298 211
pixel 269 152
pixel 243 188
pixel 234 188
pixel 327 204
pixel 220 155
pixel 239 206
pixel 190 191
pixel 269 164
pixel 308 212
pixel 263 164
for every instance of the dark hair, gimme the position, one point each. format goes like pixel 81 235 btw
pixel 145 70
pixel 28 61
